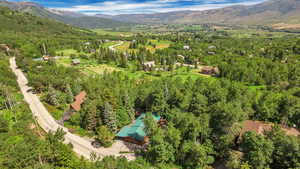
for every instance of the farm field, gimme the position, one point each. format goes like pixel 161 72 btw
pixel 152 48
pixel 113 33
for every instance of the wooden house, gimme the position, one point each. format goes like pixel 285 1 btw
pixel 74 107
pixel 135 133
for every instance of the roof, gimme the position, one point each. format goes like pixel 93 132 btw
pixel 150 63
pixel 79 99
pixel 136 130
pixel 260 127
pixel 76 61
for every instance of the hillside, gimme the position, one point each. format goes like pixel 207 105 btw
pixel 269 12
pixel 72 18
pixel 25 30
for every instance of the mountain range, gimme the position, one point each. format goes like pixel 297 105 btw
pixel 277 13
pixel 266 13
pixel 72 18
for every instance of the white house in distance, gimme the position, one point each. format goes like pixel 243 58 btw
pixel 186 47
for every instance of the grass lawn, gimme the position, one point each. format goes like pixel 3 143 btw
pixel 68 52
pixel 107 44
pixel 77 130
pixel 124 47
pixel 159 45
pixel 112 33
pixel 55 112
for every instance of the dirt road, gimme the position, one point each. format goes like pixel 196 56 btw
pixel 112 47
pixel 81 146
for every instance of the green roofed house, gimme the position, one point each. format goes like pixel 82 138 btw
pixel 135 133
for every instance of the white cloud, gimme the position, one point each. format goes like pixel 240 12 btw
pixel 125 7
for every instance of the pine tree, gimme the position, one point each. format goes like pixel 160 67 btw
pixel 129 106
pixel 109 117
pixel 77 88
pixel 90 119
pixel 52 97
pixel 70 96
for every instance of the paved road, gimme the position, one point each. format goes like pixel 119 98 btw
pixel 81 146
pixel 112 47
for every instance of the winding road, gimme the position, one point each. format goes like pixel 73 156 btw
pixel 81 146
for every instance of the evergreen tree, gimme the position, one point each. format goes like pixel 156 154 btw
pixel 90 120
pixel 70 96
pixel 109 117
pixel 52 97
pixel 129 106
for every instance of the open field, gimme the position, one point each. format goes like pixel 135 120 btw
pixel 158 45
pixel 113 33
pixel 107 44
pixel 69 52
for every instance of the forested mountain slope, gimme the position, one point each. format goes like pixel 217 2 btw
pixel 269 12
pixel 23 30
pixel 72 18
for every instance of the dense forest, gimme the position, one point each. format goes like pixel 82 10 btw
pixel 259 79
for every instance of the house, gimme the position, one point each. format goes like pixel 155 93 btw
pixel 211 53
pixel 260 127
pixel 46 57
pixel 135 133
pixel 210 70
pixel 79 99
pixel 87 43
pixel 149 65
pixel 186 47
pixel 74 107
pixel 181 57
pixel 75 62
pixel 4 47
pixel 212 47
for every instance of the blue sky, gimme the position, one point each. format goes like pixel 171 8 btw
pixel 114 7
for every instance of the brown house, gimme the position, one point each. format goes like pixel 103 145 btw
pixel 79 99
pixel 74 107
pixel 210 70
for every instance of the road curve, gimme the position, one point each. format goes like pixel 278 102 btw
pixel 81 146
pixel 112 47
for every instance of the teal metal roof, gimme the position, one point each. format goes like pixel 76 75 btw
pixel 136 130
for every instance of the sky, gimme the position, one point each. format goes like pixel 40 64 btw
pixel 115 7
